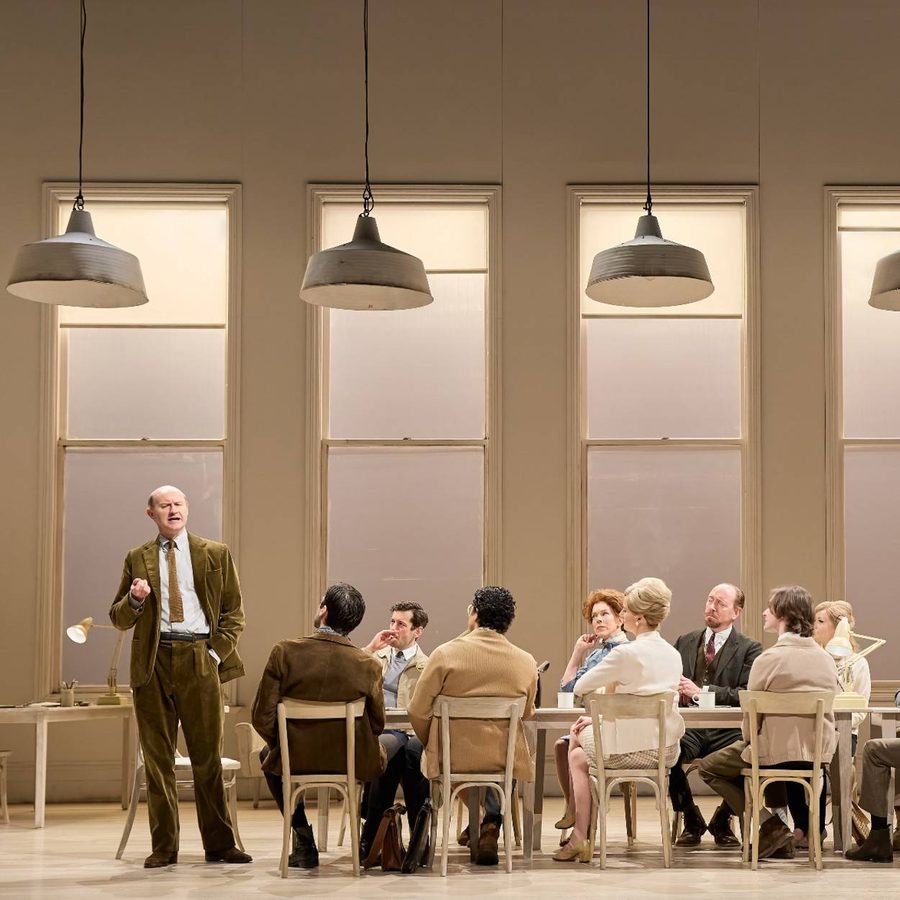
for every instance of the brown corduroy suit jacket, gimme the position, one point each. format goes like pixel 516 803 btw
pixel 322 667
pixel 218 590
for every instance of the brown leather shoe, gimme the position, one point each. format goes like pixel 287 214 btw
pixel 231 855
pixel 773 835
pixel 463 839
pixel 158 860
pixel 486 851
pixel 785 852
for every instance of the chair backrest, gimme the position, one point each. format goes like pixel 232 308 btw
pixel 249 743
pixel 314 710
pixel 806 704
pixel 508 708
pixel 630 706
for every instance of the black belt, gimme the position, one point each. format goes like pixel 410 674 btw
pixel 183 636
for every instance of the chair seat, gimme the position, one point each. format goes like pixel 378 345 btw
pixel 612 774
pixel 778 773
pixel 228 765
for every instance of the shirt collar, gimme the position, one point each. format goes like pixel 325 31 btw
pixel 181 540
pixel 721 636
pixel 409 652
pixel 324 629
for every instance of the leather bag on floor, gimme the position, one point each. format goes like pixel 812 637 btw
pixel 417 852
pixel 387 848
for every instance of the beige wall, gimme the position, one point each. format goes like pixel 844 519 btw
pixel 267 93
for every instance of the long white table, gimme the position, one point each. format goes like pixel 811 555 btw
pixel 552 719
pixel 41 717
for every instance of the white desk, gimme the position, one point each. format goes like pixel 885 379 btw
pixel 42 716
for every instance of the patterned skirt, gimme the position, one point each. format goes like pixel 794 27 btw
pixel 638 759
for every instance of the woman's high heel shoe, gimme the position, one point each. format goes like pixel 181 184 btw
pixel 567 821
pixel 580 851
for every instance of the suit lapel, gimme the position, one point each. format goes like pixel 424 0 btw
pixel 151 563
pixel 199 564
pixel 729 648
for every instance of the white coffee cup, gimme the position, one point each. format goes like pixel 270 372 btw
pixel 565 700
pixel 705 700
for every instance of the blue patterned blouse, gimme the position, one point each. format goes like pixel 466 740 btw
pixel 597 655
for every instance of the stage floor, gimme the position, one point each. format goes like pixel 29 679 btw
pixel 72 858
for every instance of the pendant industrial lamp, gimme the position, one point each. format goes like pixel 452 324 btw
pixel 365 274
pixel 649 270
pixel 78 268
pixel 886 283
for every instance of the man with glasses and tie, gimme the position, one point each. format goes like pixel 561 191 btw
pixel 716 659
pixel 402 661
pixel 181 595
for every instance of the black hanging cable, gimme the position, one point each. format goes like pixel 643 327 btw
pixel 79 197
pixel 368 199
pixel 648 205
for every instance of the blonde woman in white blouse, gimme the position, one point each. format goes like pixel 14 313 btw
pixel 646 665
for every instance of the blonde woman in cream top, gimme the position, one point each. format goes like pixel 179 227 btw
pixel 646 665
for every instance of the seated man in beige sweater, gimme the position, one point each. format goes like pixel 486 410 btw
pixel 479 663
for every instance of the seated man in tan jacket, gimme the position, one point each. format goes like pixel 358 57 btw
pixel 324 667
pixel 794 663
pixel 479 663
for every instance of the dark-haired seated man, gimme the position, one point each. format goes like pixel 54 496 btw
pixel 402 661
pixel 324 667
pixel 479 663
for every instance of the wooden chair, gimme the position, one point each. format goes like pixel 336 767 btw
pixel 806 704
pixel 249 743
pixel 449 784
pixel 603 780
pixel 4 803
pixel 184 780
pixel 345 784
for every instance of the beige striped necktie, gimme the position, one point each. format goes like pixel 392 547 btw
pixel 176 609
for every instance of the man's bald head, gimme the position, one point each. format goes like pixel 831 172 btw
pixel 723 606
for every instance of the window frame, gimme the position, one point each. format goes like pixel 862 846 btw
pixel 749 440
pixel 836 196
pixel 53 444
pixel 318 444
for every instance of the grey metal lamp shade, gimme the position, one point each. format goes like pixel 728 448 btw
pixel 365 274
pixel 886 283
pixel 649 271
pixel 78 269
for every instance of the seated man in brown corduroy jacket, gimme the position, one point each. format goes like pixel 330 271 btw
pixel 325 666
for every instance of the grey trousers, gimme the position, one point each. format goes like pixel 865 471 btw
pixel 879 757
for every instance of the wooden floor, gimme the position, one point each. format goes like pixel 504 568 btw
pixel 73 858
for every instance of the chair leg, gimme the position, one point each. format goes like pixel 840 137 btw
pixel 516 816
pixel 661 795
pixel 344 817
pixel 628 792
pixel 815 828
pixel 505 801
pixel 602 810
pixel 445 834
pixel 132 809
pixel 460 818
pixel 754 826
pixel 286 835
pixel 231 799
pixel 592 820
pixel 745 825
pixel 352 801
pixel 324 798
pixel 4 802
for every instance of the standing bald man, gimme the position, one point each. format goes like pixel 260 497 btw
pixel 181 595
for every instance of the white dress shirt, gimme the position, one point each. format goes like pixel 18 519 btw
pixel 721 637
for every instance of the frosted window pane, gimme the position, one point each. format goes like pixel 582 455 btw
pixel 869 217
pixel 443 235
pixel 415 374
pixel 870 340
pixel 716 229
pixel 672 513
pixel 105 498
pixel 407 525
pixel 146 383
pixel 872 547
pixel 654 378
pixel 183 251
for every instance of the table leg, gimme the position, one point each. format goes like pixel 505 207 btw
pixel 540 753
pixel 841 782
pixel 40 771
